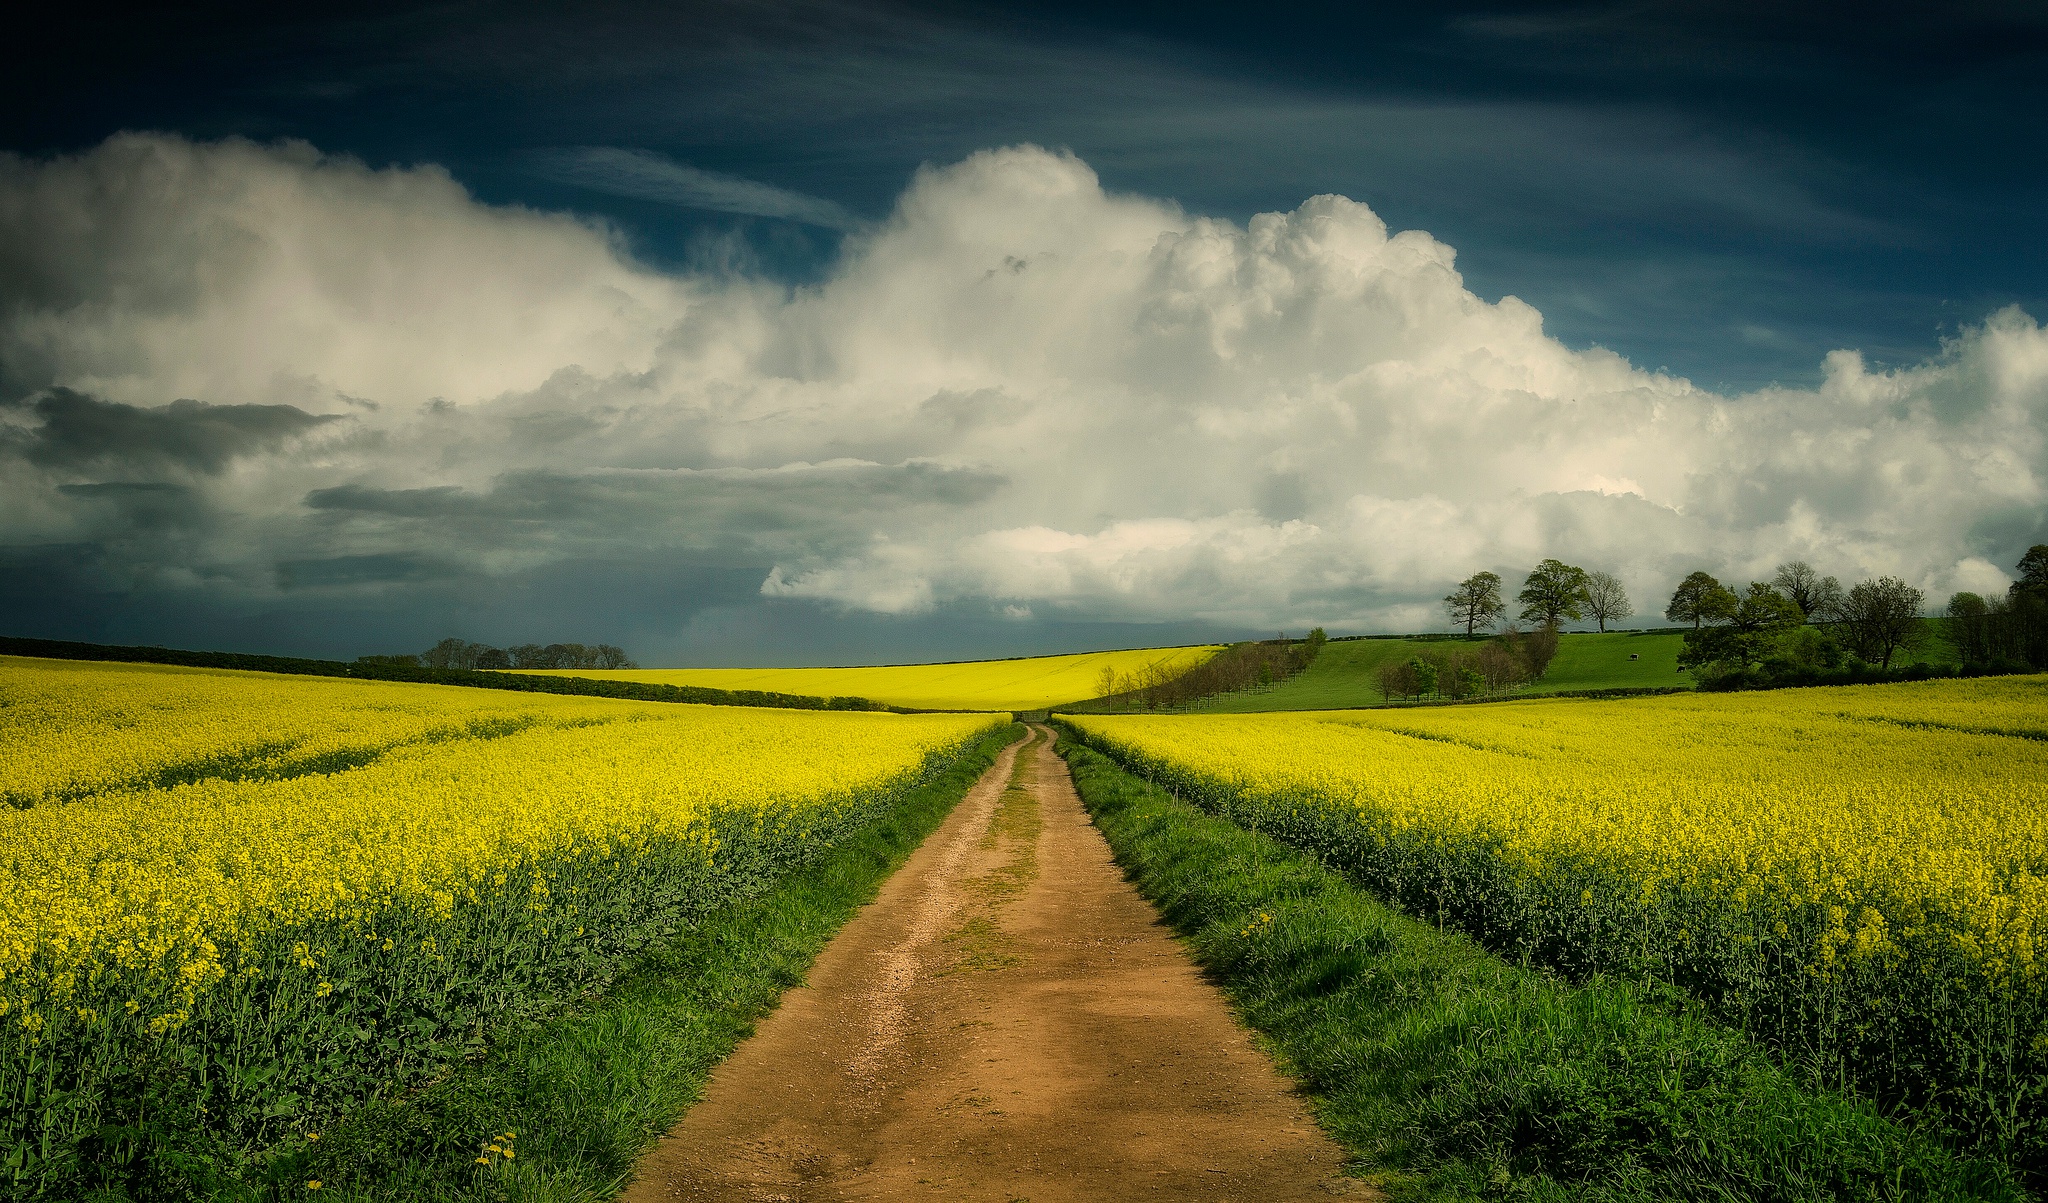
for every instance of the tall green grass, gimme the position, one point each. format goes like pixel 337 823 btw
pixel 1465 1076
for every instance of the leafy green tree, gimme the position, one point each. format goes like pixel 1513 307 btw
pixel 1554 592
pixel 1606 599
pixel 1700 599
pixel 1424 675
pixel 1749 635
pixel 1476 603
pixel 1881 617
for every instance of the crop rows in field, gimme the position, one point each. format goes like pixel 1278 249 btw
pixel 1854 875
pixel 232 904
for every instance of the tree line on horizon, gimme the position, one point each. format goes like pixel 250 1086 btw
pixel 460 653
pixel 1798 627
pixel 1805 628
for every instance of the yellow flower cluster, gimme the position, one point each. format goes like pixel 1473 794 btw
pixel 146 883
pixel 1032 683
pixel 1902 815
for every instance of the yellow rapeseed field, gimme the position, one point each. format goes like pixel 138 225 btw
pixel 1851 871
pixel 1033 683
pixel 215 851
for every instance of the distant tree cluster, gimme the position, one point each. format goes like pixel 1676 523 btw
pixel 1803 627
pixel 460 653
pixel 1163 686
pixel 1454 672
pixel 1553 594
pixel 1798 627
pixel 2007 633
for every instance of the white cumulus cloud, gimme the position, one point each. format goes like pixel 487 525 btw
pixel 1020 392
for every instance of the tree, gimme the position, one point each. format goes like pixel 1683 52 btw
pixel 1825 604
pixel 1882 616
pixel 1750 632
pixel 1476 603
pixel 460 653
pixel 1969 627
pixel 1554 592
pixel 2033 568
pixel 1701 599
pixel 1816 596
pixel 1499 667
pixel 1538 648
pixel 1397 679
pixel 1606 600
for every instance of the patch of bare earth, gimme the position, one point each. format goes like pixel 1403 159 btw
pixel 1007 1021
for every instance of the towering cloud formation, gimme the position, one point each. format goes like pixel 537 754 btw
pixel 244 370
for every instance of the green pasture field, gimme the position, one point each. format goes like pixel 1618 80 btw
pixel 1346 673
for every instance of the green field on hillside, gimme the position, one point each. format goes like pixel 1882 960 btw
pixel 1346 673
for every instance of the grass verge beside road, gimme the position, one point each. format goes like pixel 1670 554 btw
pixel 586 1090
pixel 1468 1077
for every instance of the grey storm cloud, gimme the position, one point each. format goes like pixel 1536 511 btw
pixel 1018 392
pixel 679 508
pixel 77 431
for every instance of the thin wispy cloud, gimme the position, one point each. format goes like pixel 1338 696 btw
pixel 645 175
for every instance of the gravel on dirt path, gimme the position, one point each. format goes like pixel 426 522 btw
pixel 1007 1021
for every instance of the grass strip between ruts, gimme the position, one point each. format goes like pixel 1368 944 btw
pixel 588 1089
pixel 1457 1075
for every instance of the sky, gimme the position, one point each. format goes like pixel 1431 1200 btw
pixel 843 333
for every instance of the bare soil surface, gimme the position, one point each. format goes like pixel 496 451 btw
pixel 1007 1021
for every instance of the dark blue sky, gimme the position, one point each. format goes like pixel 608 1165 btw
pixel 1726 190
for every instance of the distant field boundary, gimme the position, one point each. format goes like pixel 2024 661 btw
pixel 1617 691
pixel 1456 637
pixel 635 691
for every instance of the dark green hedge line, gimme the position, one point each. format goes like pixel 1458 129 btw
pixel 1458 1075
pixel 1766 677
pixel 639 691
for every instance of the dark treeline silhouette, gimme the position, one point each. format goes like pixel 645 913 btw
pixel 460 653
pixel 1240 666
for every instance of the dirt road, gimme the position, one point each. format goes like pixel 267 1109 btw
pixel 1008 1021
